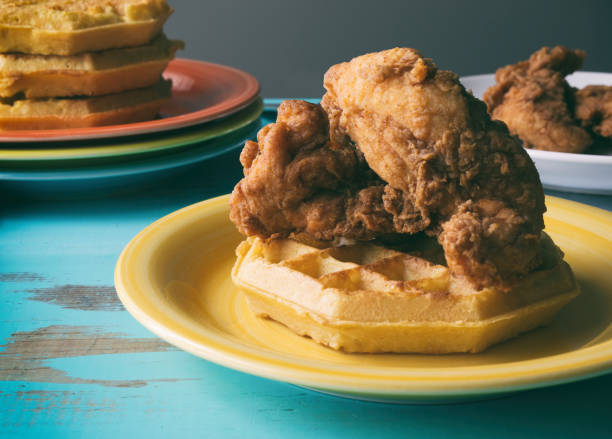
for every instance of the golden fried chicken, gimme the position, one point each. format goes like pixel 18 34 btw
pixel 450 170
pixel 297 181
pixel 537 104
pixel 594 109
pixel 434 162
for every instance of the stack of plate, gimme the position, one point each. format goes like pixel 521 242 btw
pixel 213 109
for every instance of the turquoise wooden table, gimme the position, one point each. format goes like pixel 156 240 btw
pixel 74 363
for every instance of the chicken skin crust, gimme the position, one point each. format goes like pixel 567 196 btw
pixel 401 148
pixel 297 181
pixel 594 109
pixel 472 184
pixel 537 104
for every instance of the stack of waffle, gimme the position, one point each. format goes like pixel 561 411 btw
pixel 80 63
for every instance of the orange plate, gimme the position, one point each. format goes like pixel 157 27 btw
pixel 201 92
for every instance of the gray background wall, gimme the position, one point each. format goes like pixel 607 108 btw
pixel 289 44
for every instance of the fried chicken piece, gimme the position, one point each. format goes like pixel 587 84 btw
pixel 298 181
pixel 446 169
pixel 533 98
pixel 451 171
pixel 594 109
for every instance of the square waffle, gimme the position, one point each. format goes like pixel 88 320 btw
pixel 368 298
pixel 125 107
pixel 87 74
pixel 68 27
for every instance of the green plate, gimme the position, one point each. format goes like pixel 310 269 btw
pixel 94 151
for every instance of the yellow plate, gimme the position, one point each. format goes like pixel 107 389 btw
pixel 174 277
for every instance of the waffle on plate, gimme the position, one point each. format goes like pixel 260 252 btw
pixel 86 74
pixel 128 106
pixel 367 298
pixel 68 27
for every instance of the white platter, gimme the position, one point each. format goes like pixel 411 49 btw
pixel 590 172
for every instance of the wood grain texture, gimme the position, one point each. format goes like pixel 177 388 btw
pixel 20 277
pixel 84 297
pixel 24 355
pixel 39 401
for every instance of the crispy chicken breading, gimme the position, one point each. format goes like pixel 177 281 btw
pixel 434 162
pixel 297 181
pixel 468 181
pixel 537 104
pixel 594 109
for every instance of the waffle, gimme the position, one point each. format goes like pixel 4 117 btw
pixel 95 73
pixel 129 106
pixel 367 298
pixel 68 27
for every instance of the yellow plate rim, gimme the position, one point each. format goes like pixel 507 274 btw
pixel 410 382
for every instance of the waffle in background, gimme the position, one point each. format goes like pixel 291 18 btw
pixel 366 298
pixel 72 64
pixel 68 27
